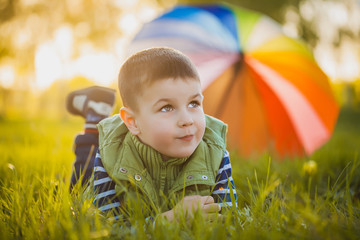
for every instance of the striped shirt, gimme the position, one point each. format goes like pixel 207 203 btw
pixel 105 196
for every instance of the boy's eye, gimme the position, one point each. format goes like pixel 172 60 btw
pixel 194 104
pixel 166 108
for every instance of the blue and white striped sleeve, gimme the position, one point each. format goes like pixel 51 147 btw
pixel 104 189
pixel 224 186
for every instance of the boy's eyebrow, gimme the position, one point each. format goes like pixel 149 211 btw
pixel 169 99
pixel 196 95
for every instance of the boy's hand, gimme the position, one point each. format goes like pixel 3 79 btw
pixel 190 204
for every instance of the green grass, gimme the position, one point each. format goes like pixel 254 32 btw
pixel 277 200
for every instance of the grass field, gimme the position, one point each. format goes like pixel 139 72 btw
pixel 277 200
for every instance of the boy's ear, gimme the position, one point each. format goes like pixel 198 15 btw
pixel 128 117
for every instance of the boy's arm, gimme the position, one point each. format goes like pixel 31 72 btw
pixel 104 188
pixel 224 186
pixel 85 147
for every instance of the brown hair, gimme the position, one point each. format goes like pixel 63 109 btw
pixel 151 65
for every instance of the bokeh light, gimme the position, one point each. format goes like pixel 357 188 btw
pixel 7 76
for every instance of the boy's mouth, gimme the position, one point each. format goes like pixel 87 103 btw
pixel 187 138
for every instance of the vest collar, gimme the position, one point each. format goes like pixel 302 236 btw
pixel 152 158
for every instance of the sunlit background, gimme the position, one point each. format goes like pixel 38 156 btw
pixel 51 47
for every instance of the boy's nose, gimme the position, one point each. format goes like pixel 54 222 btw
pixel 185 120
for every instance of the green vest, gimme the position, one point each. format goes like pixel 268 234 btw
pixel 132 164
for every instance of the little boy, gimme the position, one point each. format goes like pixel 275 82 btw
pixel 162 144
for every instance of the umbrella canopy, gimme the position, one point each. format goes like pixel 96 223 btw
pixel 265 85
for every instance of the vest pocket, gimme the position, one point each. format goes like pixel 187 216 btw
pixel 133 200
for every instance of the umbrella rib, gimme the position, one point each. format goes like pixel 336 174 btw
pixel 237 67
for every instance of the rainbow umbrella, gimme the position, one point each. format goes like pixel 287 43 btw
pixel 265 85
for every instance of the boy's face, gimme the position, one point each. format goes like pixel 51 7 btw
pixel 170 117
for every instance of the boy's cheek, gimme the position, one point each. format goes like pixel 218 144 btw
pixel 203 124
pixel 162 131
